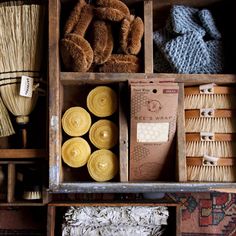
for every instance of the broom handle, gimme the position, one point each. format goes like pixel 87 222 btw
pixel 23 121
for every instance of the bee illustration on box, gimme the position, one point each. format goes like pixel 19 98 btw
pixel 154 105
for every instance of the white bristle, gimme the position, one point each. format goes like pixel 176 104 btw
pixel 211 173
pixel 216 101
pixel 216 149
pixel 215 125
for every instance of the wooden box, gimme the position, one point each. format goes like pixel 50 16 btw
pixel 154 15
pixel 56 212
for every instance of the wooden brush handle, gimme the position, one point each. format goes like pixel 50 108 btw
pixel 22 121
pixel 216 113
pixel 197 161
pixel 195 137
pixel 216 90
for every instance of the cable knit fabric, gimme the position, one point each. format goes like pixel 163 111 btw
pixel 208 23
pixel 189 43
pixel 216 64
pixel 161 64
pixel 186 53
pixel 162 36
pixel 185 19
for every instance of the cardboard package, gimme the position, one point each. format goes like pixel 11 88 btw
pixel 152 131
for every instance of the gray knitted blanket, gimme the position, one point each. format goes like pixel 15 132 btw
pixel 189 43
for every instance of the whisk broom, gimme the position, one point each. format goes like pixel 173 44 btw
pixel 21 40
pixel 210 146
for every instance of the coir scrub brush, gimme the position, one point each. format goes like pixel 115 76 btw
pixel 21 46
pixel 210 133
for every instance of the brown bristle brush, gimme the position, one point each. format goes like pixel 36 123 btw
pixel 210 138
pixel 102 41
pixel 113 10
pixel 118 63
pixel 131 34
pixel 76 52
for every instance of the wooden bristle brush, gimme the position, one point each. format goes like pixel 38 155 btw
pixel 205 96
pixel 224 171
pixel 210 127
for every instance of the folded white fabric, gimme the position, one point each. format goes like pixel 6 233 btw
pixel 114 221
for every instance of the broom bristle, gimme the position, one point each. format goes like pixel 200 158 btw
pixel 6 128
pixel 16 104
pixel 214 125
pixel 216 101
pixel 211 173
pixel 216 149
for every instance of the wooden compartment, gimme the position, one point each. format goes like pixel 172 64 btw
pixel 223 22
pixel 60 81
pixel 75 94
pixel 19 176
pixel 23 221
pixel 219 80
pixel 56 212
pixel 64 8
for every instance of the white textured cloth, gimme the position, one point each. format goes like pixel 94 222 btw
pixel 115 221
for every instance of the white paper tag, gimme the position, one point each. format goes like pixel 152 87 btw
pixel 26 86
pixel 152 132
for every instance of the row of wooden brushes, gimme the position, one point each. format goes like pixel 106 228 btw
pixel 88 42
pixel 210 127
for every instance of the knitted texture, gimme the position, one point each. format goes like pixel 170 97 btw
pixel 216 64
pixel 186 53
pixel 185 19
pixel 161 64
pixel 208 23
pixel 162 36
pixel 181 46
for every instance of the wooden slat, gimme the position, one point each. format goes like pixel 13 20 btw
pixel 197 161
pixel 148 37
pixel 51 221
pixel 123 133
pixel 216 90
pixel 71 78
pixel 181 149
pixel 112 204
pixel 178 220
pixel 23 153
pixel 217 113
pixel 22 204
pixel 188 79
pixel 11 183
pixel 141 187
pixel 217 137
pixel 196 79
pixel 54 113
